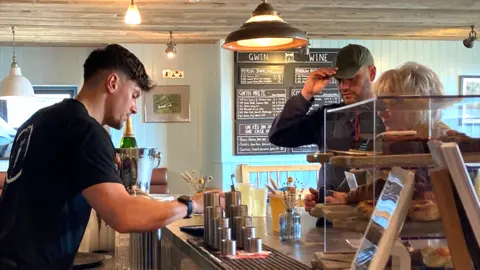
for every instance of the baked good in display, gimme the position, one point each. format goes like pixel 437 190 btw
pixel 465 144
pixel 366 208
pixel 408 142
pixel 437 257
pixel 403 142
pixel 423 210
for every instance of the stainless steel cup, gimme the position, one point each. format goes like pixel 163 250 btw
pixel 233 198
pixel 240 223
pixel 223 234
pixel 208 214
pixel 229 247
pixel 254 245
pixel 247 233
pixel 240 210
pixel 237 211
pixel 221 222
pixel 211 199
pixel 217 212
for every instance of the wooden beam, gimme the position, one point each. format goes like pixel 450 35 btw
pixel 399 17
pixel 358 4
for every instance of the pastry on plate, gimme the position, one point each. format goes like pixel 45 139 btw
pixel 424 210
pixel 366 208
pixel 436 257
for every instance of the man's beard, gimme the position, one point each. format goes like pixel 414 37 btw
pixel 366 90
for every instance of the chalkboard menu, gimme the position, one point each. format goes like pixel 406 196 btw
pixel 252 138
pixel 301 75
pixel 264 81
pixel 261 75
pixel 259 103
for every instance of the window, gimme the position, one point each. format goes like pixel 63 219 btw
pixel 15 112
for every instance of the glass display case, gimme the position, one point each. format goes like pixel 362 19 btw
pixel 375 177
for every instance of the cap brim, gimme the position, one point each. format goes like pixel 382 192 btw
pixel 346 73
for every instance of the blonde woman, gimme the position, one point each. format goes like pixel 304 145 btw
pixel 410 79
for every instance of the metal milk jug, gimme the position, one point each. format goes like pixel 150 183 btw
pixel 136 167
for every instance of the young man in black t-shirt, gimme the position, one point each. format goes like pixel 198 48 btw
pixel 62 165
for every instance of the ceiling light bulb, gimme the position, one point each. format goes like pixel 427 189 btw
pixel 133 15
pixel 265 18
pixel 171 51
pixel 264 42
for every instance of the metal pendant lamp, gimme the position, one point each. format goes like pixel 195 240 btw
pixel 265 31
pixel 15 85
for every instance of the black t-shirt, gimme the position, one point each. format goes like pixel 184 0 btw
pixel 57 153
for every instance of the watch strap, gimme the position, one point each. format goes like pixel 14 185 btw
pixel 188 202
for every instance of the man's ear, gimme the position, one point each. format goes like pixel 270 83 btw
pixel 372 72
pixel 112 82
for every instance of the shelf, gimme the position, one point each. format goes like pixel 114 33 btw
pixel 379 161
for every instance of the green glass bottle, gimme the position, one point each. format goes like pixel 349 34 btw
pixel 128 140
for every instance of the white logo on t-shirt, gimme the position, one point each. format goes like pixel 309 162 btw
pixel 18 154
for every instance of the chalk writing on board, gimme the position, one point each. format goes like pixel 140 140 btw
pixel 262 75
pixel 252 138
pixel 301 75
pixel 259 103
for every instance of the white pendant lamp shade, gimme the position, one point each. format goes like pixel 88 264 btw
pixel 15 85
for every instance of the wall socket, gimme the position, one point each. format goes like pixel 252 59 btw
pixel 173 74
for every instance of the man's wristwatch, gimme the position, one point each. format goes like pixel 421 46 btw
pixel 188 202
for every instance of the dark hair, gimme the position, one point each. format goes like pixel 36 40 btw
pixel 116 57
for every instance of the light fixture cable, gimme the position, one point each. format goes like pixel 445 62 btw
pixel 14 58
pixel 473 33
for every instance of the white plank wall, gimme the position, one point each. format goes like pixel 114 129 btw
pixel 184 146
pixel 207 142
pixel 449 59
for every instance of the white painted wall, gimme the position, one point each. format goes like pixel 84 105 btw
pixel 184 146
pixel 47 65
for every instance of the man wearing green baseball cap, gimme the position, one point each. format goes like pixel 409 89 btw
pixel 355 72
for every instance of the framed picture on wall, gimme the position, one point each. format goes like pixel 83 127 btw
pixel 470 85
pixel 167 104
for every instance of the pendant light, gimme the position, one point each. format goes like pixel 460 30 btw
pixel 15 85
pixel 265 31
pixel 133 15
pixel 171 49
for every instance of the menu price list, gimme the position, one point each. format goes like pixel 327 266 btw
pixel 260 103
pixel 326 97
pixel 305 149
pixel 252 138
pixel 261 75
pixel 301 75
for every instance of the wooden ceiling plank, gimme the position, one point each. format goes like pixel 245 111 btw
pixel 361 4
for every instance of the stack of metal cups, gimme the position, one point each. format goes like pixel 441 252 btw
pixel 212 211
pixel 218 228
pixel 232 199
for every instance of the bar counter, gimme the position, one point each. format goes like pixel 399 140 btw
pixel 178 253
